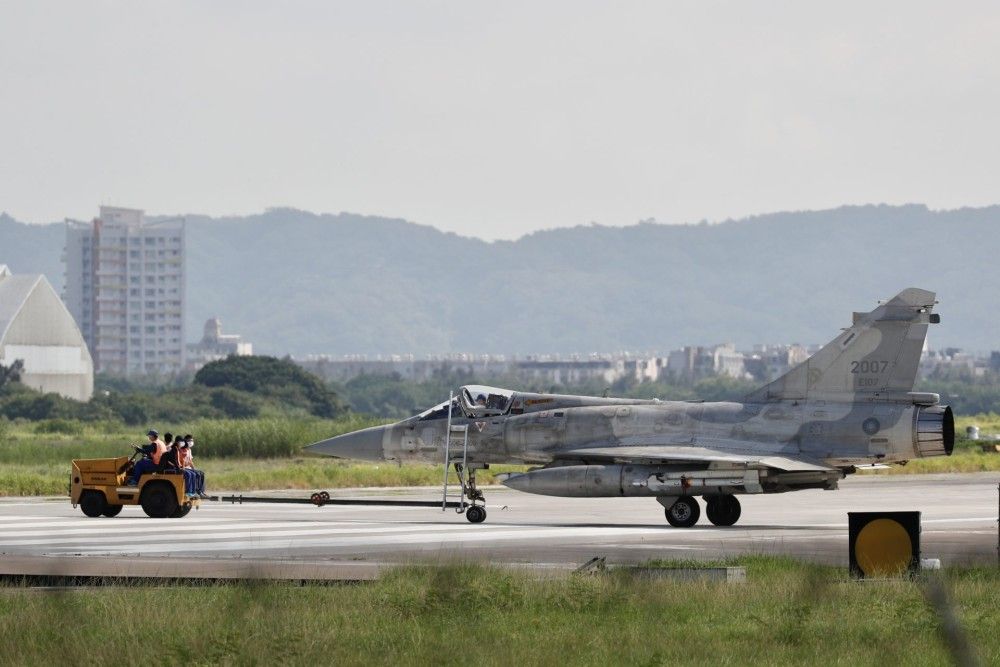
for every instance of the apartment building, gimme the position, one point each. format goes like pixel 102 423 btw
pixel 125 288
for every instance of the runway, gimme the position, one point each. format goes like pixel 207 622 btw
pixel 959 526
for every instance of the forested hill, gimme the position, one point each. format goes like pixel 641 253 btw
pixel 295 282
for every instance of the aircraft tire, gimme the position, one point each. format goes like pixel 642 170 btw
pixel 723 510
pixel 93 503
pixel 112 510
pixel 476 514
pixel 684 513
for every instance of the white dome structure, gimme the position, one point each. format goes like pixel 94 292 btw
pixel 37 328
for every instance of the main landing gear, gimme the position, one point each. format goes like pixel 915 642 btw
pixel 684 512
pixel 723 510
pixel 467 477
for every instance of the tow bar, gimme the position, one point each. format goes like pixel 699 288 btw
pixel 321 498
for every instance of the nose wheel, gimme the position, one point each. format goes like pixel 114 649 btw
pixel 467 477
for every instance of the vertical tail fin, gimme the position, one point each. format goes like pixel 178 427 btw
pixel 879 353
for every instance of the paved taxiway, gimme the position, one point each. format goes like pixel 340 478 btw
pixel 959 526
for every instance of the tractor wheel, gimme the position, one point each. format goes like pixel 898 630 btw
pixel 112 510
pixel 158 500
pixel 181 512
pixel 93 503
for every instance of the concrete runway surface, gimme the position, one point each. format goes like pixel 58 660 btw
pixel 959 526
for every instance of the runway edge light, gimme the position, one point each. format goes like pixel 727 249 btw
pixel 883 544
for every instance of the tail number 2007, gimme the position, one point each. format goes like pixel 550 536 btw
pixel 869 366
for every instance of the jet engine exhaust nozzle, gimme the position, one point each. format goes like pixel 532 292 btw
pixel 934 434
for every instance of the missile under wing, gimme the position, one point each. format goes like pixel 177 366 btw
pixel 850 404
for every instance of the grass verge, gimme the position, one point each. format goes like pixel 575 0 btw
pixel 788 613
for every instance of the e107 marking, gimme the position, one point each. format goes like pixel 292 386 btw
pixel 869 366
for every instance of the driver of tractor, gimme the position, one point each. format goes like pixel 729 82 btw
pixel 150 462
pixel 481 401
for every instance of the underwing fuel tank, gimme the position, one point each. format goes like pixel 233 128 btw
pixel 603 481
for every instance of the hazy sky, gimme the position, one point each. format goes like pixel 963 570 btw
pixel 494 119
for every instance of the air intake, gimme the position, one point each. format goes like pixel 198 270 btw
pixel 935 431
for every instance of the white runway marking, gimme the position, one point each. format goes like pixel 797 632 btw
pixel 248 533
pixel 439 537
pixel 959 517
pixel 214 533
pixel 161 527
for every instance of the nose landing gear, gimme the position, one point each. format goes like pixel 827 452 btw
pixel 467 478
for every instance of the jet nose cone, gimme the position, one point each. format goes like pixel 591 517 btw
pixel 365 444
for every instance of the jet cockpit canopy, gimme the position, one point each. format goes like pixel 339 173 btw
pixel 473 400
pixel 478 400
pixel 440 411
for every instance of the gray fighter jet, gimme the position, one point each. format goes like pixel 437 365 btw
pixel 850 404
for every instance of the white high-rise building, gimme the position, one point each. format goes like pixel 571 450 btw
pixel 125 287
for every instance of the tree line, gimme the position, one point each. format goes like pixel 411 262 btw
pixel 251 387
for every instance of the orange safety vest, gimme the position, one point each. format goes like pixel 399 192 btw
pixel 161 449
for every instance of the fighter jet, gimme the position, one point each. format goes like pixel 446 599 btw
pixel 850 404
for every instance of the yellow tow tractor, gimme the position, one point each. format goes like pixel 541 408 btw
pixel 99 487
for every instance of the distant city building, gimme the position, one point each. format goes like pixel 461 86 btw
pixel 769 362
pixel 689 364
pixel 37 329
pixel 573 371
pixel 951 360
pixel 724 360
pixel 406 366
pixel 695 363
pixel 125 288
pixel 215 345
pixel 646 369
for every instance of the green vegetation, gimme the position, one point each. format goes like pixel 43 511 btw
pixel 968 395
pixel 233 388
pixel 787 613
pixel 243 383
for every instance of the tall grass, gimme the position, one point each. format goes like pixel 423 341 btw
pixel 267 438
pixel 20 480
pixel 59 441
pixel 786 614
